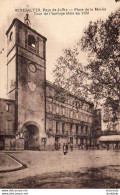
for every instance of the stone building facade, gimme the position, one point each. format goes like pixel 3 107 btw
pixel 26 80
pixel 7 121
pixel 67 120
pixel 31 116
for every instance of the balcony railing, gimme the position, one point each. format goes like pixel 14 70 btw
pixel 59 132
pixel 67 133
pixel 82 134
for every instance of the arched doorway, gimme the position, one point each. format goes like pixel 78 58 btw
pixel 31 137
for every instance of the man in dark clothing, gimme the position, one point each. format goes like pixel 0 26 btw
pixel 65 148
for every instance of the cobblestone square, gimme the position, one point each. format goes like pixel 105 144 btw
pixel 77 169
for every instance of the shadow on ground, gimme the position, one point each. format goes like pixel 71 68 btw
pixel 102 177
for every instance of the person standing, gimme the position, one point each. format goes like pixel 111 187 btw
pixel 71 147
pixel 65 148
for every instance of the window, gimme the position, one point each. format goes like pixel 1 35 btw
pixel 63 110
pixel 81 129
pixel 71 114
pixel 71 140
pixel 9 125
pixel 7 107
pixel 57 109
pixel 50 125
pixel 31 41
pixel 57 124
pixel 71 126
pixel 54 109
pixel 63 128
pixel 50 107
pixel 76 129
pixel 86 130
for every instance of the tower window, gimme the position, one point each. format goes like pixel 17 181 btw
pixel 7 107
pixel 31 41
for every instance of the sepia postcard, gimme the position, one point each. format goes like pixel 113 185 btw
pixel 59 96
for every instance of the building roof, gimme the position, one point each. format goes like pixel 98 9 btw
pixel 34 31
pixel 54 86
pixel 109 138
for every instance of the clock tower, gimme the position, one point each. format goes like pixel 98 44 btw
pixel 26 76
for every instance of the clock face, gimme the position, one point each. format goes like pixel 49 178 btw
pixel 32 67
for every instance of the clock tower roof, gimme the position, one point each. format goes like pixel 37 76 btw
pixel 16 20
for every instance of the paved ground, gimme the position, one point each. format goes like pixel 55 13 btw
pixel 78 169
pixel 7 163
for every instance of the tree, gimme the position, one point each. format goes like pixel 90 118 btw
pixel 102 41
pixel 69 73
pixel 99 79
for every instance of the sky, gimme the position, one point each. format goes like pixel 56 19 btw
pixel 61 31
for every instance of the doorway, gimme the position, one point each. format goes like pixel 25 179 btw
pixel 31 138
